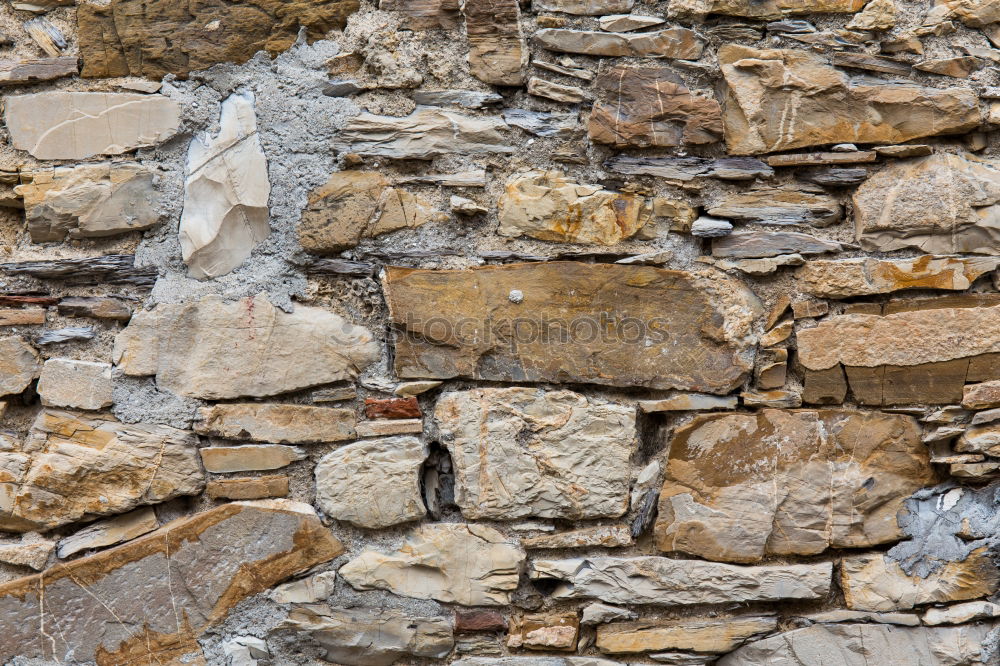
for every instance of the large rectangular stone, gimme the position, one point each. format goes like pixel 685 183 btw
pixel 276 423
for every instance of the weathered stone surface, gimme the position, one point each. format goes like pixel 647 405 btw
pixel 671 43
pixel 470 565
pixel 249 458
pixel 549 206
pixel 17 72
pixel 841 615
pixel 553 632
pixel 216 349
pixel 68 334
pixel 598 613
pixel 75 466
pixel 109 532
pixel 981 396
pixel 877 15
pixel 865 645
pixel 701 347
pixel 768 9
pixel 467 99
pixel 561 125
pixel 691 169
pixel 712 636
pixel 650 106
pixel 759 244
pixel 425 134
pixel 974 13
pixel 392 408
pixel 604 536
pixel 372 484
pixel 584 7
pixel 103 270
pixel 685 402
pixel 148 601
pixel 846 278
pixel 368 636
pixel 158 37
pixel 627 22
pixel 248 488
pixel 305 590
pixel 660 580
pixel 358 204
pixel 33 551
pixel 89 201
pixel 961 613
pixel 902 206
pixel 276 423
pixel 784 99
pixel 19 364
pixel 773 205
pixel 225 193
pixel 526 452
pixel 498 53
pixel 425 14
pixel 479 620
pixel 874 582
pixel 62 125
pixel 958 68
pixel 557 92
pixel 536 661
pixel 76 384
pixel 388 427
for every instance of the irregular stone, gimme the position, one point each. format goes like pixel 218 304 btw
pixel 152 38
pixel 979 471
pixel 426 133
pixel 874 582
pixel 109 532
pixel 665 581
pixel 126 604
pixel 475 178
pixel 777 206
pixel 246 651
pixel 275 422
pixel 68 334
pixel 958 68
pixel 961 613
pixel 392 408
pixel 32 70
pixel 76 384
pixel 764 113
pixel 215 349
pixel 981 396
pixel 872 63
pixel 775 399
pixel 904 151
pixel 688 169
pixel 46 35
pixel 470 565
pixel 76 466
pixel 865 645
pixel 627 22
pixel 33 551
pixel 64 125
pixel 973 13
pixel 759 267
pixel 811 159
pixel 604 536
pixel 305 590
pixel 544 632
pixel 556 91
pixel 468 99
pixel 19 365
pixel 248 488
pixel 598 613
pixel 759 244
pixel 840 615
pixel 416 388
pixel 498 53
pixel 710 227
pixel 104 270
pixel 19 317
pixel 390 427
pixel 578 293
pixel 479 620
pixel 573 71
pixel 536 661
pixel 249 458
pixel 463 206
pixel 712 636
pixel 650 106
pixel 980 439
pixel 861 277
pixel 521 452
pixel 769 9
pixel 370 637
pixel 225 193
pixel 559 125
pixel 670 43
pixel 425 14
pixel 583 7
pixel 901 206
pixel 353 205
pixel 372 484
pixel 549 206
pixel 89 201
pixel 689 402
pixel 877 15
pixel 809 307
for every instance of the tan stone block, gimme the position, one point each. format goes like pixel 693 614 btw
pixel 249 488
pixel 76 384
pixel 712 636
pixel 276 423
pixel 249 458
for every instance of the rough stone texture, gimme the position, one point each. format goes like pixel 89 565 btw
pixel 780 99
pixel 19 364
pixel 766 9
pixel 471 565
pixel 672 43
pixel 249 458
pixel 76 125
pixel 777 206
pixel 74 466
pixel 586 537
pixel 425 14
pixel 847 278
pixel 33 551
pixel 75 384
pixel 225 194
pixel 90 201
pixel 248 488
pixel 526 452
pixel 126 604
pixel 276 423
pixel 698 635
pixel 109 532
pixel 837 480
pixel 498 53
pixel 153 38
pixel 703 347
pixel 372 484
pixel 217 349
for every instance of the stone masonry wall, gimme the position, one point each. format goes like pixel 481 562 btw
pixel 500 333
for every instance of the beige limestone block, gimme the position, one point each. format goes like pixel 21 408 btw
pixel 981 396
pixel 19 364
pixel 698 635
pixel 249 458
pixel 63 125
pixel 847 278
pixel 65 382
pixel 305 590
pixel 215 349
pixel 373 484
pixel 471 565
pixel 109 532
pixel 602 536
pixel 226 193
pixel 75 466
pixel 33 551
pixel 521 452
pixel 276 423
pixel 961 613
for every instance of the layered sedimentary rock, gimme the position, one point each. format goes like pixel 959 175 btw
pixel 19 364
pixel 60 125
pixel 216 349
pixel 276 423
pixel 698 635
pixel 584 7
pixel 838 480
pixel 782 99
pixel 773 205
pixel 766 9
pixel 549 206
pixel 456 323
pixel 73 466
pixel 650 106
pixel 158 37
pixel 90 201
pixel 846 278
pixel 425 14
pixel 129 604
pixel 943 203
pixel 526 452
pixel 498 53
pixel 671 43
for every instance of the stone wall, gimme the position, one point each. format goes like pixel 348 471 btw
pixel 499 333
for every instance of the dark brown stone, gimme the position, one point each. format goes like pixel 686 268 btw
pixel 468 621
pixel 392 408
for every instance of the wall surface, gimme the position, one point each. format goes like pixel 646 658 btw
pixel 500 333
